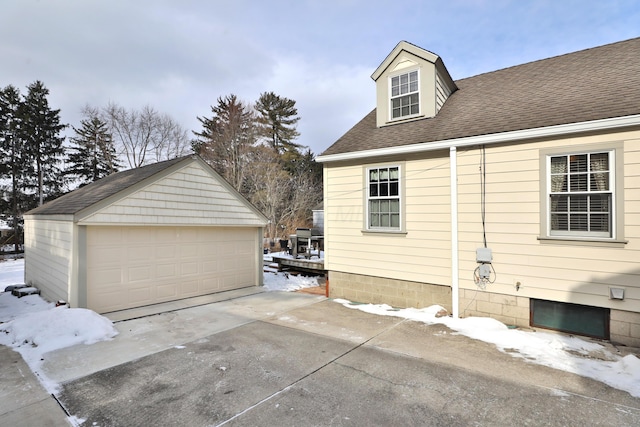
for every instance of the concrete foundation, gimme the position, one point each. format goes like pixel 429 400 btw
pixel 380 290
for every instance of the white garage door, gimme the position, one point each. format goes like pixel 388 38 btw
pixel 135 266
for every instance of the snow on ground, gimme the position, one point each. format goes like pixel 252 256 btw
pixel 34 327
pixel 282 281
pixel 568 353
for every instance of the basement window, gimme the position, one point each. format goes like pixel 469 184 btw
pixel 572 318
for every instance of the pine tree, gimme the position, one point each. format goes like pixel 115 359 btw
pixel 277 119
pixel 227 138
pixel 13 166
pixel 92 154
pixel 41 129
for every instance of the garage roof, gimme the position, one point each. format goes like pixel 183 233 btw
pixel 99 190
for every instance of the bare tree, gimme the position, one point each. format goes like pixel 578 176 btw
pixel 144 135
pixel 269 188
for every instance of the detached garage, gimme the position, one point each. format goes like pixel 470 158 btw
pixel 158 233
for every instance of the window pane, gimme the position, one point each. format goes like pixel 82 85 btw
pixel 374 206
pixel 393 173
pixel 394 206
pixel 600 222
pixel 395 91
pixel 559 183
pixel 578 182
pixel 384 189
pixel 559 203
pixel 600 181
pixel 384 206
pixel 599 203
pixel 384 174
pixel 578 222
pixel 395 220
pixel 559 164
pixel 578 203
pixel 405 111
pixel 415 109
pixel 385 220
pixel 373 175
pixel 578 163
pixel 559 222
pixel 373 190
pixel 396 113
pixel 374 220
pixel 599 162
pixel 393 189
pixel 413 76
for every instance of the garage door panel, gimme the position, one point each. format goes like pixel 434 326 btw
pixel 135 266
pixel 139 274
pixel 189 288
pixel 167 291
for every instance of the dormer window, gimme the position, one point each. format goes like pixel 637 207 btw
pixel 405 95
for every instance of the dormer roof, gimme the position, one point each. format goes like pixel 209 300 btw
pixel 404 46
pixel 590 86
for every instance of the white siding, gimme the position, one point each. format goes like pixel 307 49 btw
pixel 190 196
pixel 48 256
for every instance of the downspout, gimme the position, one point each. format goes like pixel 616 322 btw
pixel 455 291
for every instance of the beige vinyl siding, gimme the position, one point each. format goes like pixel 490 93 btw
pixel 190 196
pixel 561 271
pixel 442 92
pixel 422 254
pixel 48 256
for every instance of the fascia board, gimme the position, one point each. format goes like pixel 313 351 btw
pixel 494 138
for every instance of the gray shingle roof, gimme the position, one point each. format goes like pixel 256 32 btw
pixel 592 84
pixel 108 186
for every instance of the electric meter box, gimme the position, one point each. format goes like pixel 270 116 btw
pixel 483 255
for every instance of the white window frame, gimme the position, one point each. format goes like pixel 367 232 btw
pixel 369 198
pixel 406 94
pixel 613 179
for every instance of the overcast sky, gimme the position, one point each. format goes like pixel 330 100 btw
pixel 180 56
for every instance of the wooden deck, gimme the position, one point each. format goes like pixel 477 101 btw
pixel 313 266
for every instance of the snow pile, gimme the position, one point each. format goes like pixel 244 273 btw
pixel 567 353
pixel 278 281
pixel 34 327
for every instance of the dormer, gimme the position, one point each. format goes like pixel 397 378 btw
pixel 411 83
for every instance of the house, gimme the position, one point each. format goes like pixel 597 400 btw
pixel 158 233
pixel 513 194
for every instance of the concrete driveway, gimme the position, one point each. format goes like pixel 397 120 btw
pixel 281 359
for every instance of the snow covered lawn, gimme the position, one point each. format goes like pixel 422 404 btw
pixel 34 327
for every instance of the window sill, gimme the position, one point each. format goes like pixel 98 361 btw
pixel 404 119
pixel 582 241
pixel 383 231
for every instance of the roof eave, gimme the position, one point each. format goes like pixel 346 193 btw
pixel 489 139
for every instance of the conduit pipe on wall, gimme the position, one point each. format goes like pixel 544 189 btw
pixel 455 296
